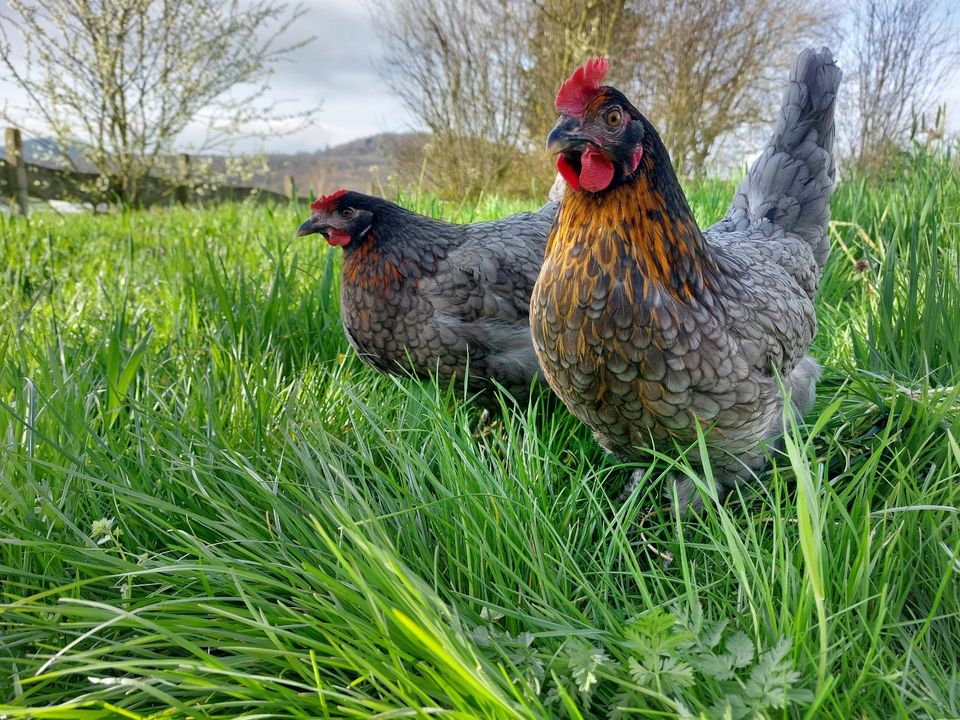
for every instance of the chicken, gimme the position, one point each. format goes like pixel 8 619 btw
pixel 647 326
pixel 427 296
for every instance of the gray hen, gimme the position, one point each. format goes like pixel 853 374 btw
pixel 427 296
pixel 645 325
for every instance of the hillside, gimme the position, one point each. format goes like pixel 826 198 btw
pixel 370 163
pixel 366 164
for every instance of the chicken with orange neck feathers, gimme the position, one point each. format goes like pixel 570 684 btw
pixel 647 326
pixel 424 296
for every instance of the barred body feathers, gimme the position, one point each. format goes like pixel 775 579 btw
pixel 645 325
pixel 431 297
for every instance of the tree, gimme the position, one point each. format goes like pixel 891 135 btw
pixel 564 34
pixel 457 67
pixel 482 75
pixel 121 79
pixel 705 69
pixel 902 51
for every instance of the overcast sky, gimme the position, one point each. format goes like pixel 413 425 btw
pixel 340 71
pixel 337 71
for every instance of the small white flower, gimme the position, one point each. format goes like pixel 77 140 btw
pixel 102 530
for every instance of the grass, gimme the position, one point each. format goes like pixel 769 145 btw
pixel 209 508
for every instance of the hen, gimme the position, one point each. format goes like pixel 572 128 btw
pixel 644 324
pixel 426 296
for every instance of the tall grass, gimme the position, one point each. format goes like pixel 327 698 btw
pixel 210 508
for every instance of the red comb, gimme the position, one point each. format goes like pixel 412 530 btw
pixel 326 201
pixel 575 93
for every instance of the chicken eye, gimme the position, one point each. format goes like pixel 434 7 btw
pixel 346 213
pixel 613 118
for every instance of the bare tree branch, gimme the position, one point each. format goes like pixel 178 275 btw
pixel 482 75
pixel 902 50
pixel 457 67
pixel 120 79
pixel 705 69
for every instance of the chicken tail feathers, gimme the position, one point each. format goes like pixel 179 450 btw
pixel 790 184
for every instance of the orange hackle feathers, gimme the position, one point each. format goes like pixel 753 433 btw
pixel 634 221
pixel 581 86
pixel 326 202
pixel 369 269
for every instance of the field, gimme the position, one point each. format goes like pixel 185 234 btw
pixel 209 508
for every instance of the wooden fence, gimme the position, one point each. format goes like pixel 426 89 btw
pixel 20 180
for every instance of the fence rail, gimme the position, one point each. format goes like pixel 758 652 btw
pixel 20 180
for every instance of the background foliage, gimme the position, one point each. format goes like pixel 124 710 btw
pixel 709 74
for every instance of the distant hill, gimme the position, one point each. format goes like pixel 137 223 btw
pixel 367 164
pixel 46 152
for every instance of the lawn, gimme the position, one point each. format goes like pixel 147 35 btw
pixel 210 508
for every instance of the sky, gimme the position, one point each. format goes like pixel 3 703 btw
pixel 341 72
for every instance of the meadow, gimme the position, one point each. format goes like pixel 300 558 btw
pixel 210 508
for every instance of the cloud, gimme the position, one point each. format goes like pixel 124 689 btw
pixel 337 71
pixel 341 71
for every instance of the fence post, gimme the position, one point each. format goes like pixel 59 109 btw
pixel 291 187
pixel 183 178
pixel 18 169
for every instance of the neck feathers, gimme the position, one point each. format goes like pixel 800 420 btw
pixel 383 264
pixel 646 219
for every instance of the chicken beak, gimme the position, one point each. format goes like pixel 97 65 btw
pixel 311 227
pixel 566 138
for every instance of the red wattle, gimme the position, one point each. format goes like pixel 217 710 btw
pixel 597 170
pixel 568 173
pixel 338 238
